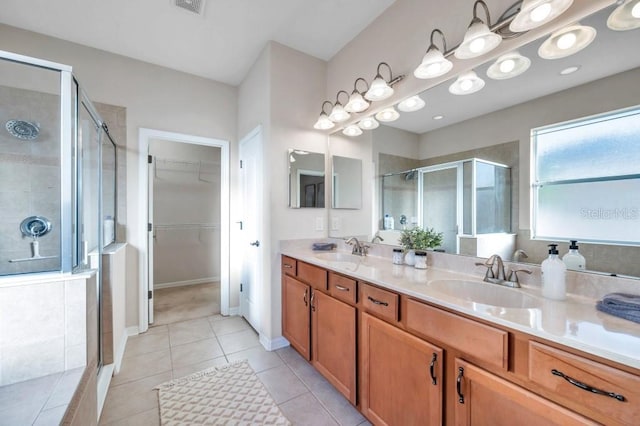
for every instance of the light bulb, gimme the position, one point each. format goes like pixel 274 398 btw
pixel 465 85
pixel 635 12
pixel 566 41
pixel 507 65
pixel 540 13
pixel 477 45
pixel 352 130
pixel 368 123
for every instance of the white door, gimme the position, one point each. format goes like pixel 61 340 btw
pixel 150 233
pixel 251 277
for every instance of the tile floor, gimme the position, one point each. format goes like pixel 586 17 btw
pixel 170 351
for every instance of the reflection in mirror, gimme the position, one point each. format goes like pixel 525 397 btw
pixel 306 179
pixel 495 124
pixel 346 182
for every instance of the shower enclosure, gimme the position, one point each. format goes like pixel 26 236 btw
pixel 465 200
pixel 57 170
pixel 57 195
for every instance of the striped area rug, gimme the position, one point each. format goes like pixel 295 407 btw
pixel 228 395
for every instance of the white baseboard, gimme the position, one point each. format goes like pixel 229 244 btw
pixel 273 344
pixel 120 351
pixel 104 380
pixel 133 330
pixel 234 311
pixel 187 282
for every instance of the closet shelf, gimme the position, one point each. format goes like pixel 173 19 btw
pixel 184 226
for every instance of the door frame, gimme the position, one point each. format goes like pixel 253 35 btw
pixel 144 137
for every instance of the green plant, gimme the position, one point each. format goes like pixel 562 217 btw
pixel 420 239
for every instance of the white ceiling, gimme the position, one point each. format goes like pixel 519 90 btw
pixel 222 44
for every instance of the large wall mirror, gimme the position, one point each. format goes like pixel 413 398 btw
pixel 346 182
pixel 306 179
pixel 414 155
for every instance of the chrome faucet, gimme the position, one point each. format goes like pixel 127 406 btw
pixel 496 274
pixel 377 237
pixel 359 249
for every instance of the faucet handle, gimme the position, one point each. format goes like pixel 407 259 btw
pixel 489 272
pixel 513 275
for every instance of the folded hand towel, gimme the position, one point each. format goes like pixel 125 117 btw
pixel 622 300
pixel 621 305
pixel 323 246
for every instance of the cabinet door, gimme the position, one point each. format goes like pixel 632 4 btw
pixel 402 376
pixel 295 314
pixel 333 332
pixel 485 399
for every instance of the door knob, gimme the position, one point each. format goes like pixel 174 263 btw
pixel 255 243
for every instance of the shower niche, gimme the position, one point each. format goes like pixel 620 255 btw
pixel 469 201
pixel 57 170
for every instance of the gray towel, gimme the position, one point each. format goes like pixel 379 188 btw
pixel 622 305
pixel 323 246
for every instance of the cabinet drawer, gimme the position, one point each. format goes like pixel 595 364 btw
pixel 342 288
pixel 315 276
pixel 479 341
pixel 553 369
pixel 289 265
pixel 381 302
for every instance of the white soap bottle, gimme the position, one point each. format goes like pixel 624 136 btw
pixel 554 271
pixel 573 259
pixel 388 222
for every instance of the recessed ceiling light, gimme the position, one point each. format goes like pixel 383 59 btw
pixel 570 70
pixel 438 117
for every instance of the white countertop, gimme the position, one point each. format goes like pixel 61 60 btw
pixel 574 323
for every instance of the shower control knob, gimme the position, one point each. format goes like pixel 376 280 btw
pixel 255 243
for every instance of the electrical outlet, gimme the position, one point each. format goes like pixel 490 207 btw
pixel 319 224
pixel 335 223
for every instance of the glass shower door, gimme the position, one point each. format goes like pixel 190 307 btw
pixel 440 204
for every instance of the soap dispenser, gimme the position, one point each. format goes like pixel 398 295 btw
pixel 573 259
pixel 554 273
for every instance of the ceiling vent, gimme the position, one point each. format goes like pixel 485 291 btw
pixel 194 6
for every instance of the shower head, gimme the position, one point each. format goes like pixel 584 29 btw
pixel 21 129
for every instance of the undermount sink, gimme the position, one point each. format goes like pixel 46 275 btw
pixel 486 294
pixel 339 257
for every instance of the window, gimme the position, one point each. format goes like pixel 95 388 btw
pixel 586 179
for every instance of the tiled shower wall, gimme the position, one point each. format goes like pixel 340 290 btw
pixel 29 179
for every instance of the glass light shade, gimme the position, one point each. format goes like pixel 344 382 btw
pixel 356 103
pixel 508 66
pixel 466 84
pixel 338 114
pixel 368 123
pixel 352 130
pixel 567 41
pixel 323 122
pixel 387 115
pixel 414 103
pixel 434 64
pixel 625 17
pixel 477 41
pixel 535 13
pixel 379 90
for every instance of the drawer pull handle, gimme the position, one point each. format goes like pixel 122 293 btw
pixel 286 265
pixel 339 287
pixel 586 387
pixel 377 302
pixel 432 368
pixel 459 385
pixel 305 296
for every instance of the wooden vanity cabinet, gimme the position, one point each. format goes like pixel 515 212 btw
pixel 320 327
pixel 483 398
pixel 296 325
pixel 333 337
pixel 402 380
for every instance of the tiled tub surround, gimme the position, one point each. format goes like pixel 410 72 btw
pixel 574 323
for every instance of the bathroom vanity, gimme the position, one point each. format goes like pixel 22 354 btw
pixel 433 346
